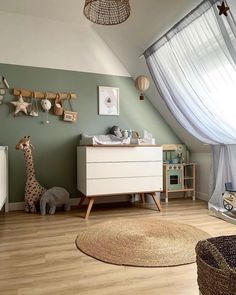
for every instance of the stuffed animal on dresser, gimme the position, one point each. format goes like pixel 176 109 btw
pixel 115 130
pixel 52 198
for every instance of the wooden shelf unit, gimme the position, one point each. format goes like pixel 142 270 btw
pixel 179 178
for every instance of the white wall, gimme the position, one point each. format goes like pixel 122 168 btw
pixel 32 41
pixel 203 168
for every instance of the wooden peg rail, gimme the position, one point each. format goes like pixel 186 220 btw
pixel 42 95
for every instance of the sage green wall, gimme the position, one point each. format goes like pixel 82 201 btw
pixel 55 143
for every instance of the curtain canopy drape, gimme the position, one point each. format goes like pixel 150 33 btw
pixel 194 69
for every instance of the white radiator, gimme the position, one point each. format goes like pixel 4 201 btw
pixel 4 177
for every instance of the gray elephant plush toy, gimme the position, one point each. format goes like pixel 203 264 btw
pixel 55 196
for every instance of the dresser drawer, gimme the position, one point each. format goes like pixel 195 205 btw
pixel 123 154
pixel 125 169
pixel 111 186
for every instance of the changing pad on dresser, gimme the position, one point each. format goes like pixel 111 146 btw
pixel 105 140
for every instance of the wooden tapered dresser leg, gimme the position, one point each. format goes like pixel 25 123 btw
pixel 81 201
pixel 90 205
pixel 143 197
pixel 156 200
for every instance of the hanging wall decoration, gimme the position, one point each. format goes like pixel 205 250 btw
pixel 2 92
pixel 21 105
pixel 142 83
pixel 34 112
pixel 47 99
pixel 46 105
pixel 3 83
pixel 3 86
pixel 70 115
pixel 108 100
pixel 58 109
pixel 223 9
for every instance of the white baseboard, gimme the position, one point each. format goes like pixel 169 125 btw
pixel 199 195
pixel 175 195
pixel 16 206
pixel 202 196
pixel 19 206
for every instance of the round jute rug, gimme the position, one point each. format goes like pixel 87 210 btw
pixel 146 242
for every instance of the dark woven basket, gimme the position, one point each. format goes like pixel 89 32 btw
pixel 216 265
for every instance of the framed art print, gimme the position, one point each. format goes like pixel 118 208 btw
pixel 108 101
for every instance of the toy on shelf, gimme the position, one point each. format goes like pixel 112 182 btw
pixel 33 190
pixel 52 198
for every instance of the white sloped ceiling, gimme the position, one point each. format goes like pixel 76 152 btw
pixel 148 21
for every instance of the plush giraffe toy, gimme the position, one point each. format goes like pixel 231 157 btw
pixel 33 190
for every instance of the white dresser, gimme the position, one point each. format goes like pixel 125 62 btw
pixel 4 177
pixel 110 170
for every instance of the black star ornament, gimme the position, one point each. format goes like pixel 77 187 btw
pixel 223 9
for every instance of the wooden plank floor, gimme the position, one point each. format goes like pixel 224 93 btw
pixel 38 254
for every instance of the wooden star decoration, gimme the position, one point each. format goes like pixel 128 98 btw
pixel 21 105
pixel 223 9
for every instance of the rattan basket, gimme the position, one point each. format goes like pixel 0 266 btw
pixel 216 265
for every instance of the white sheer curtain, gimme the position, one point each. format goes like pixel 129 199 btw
pixel 194 69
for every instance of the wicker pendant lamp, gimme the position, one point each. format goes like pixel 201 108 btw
pixel 107 12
